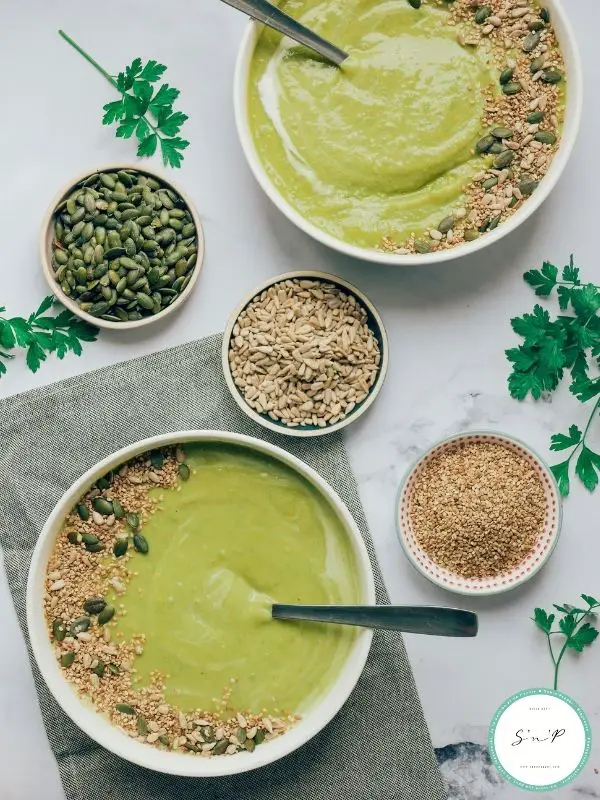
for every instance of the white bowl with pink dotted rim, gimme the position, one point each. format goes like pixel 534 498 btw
pixel 480 586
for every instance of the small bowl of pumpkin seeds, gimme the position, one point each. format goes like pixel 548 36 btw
pixel 122 247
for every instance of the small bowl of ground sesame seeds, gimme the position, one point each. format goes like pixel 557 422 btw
pixel 305 354
pixel 479 513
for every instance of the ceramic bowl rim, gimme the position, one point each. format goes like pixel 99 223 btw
pixel 108 735
pixel 373 392
pixel 46 255
pixel 455 437
pixel 570 131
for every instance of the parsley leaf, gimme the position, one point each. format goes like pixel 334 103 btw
pixel 42 334
pixel 555 347
pixel 560 441
pixel 576 631
pixel 143 109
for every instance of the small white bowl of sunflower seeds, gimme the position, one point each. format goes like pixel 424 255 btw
pixel 305 354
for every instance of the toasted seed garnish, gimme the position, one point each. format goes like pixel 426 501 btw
pixel 490 183
pixel 513 87
pixel 157 459
pixel 240 735
pixel 545 137
pixel 504 160
pixel 103 483
pixel 220 747
pixel 83 511
pixel 141 543
pixel 470 235
pixel 484 144
pixel 259 737
pixel 95 548
pixel 506 76
pixel 535 117
pixel 502 133
pixel 133 520
pixel 531 41
pixel 106 615
pixel 163 739
pixel 125 708
pixel 528 187
pixel 184 472
pixel 141 725
pixel 545 15
pixel 99 669
pixel 250 745
pixel 80 626
pixel 494 222
pixel 89 538
pixel 59 630
pixel 102 506
pixel 446 224
pixel 113 668
pixel 118 509
pixel 94 605
pixel 74 537
pixel 120 547
pixel 482 14
pixel 67 659
pixel 552 76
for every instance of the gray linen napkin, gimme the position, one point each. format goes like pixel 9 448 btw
pixel 377 747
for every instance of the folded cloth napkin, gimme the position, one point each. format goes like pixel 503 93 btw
pixel 377 748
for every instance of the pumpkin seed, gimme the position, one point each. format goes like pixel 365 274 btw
pixel 484 226
pixel 120 547
pixel 163 739
pixel 95 548
pixel 496 148
pixel 484 144
pixel 59 630
pixel 67 659
pixel 184 472
pixel 73 537
pixel 80 625
pixel 536 25
pixel 552 76
pixel 528 187
pixel 89 538
pixel 445 225
pixel 125 708
pixel 259 736
pixel 141 543
pixel 506 76
pixel 145 301
pixel 545 137
pixel 157 459
pixel 99 669
pixel 133 520
pixel 513 87
pixel 422 246
pixel 142 725
pixel 118 509
pixel 482 14
pixel 490 183
pixel 106 615
pixel 531 41
pixel 103 506
pixel 502 133
pixel 504 160
pixel 535 117
pixel 545 15
pixel 471 234
pixel 94 605
pixel 83 511
pixel 223 744
pixel 494 222
pixel 113 669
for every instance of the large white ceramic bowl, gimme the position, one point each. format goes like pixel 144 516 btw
pixel 108 735
pixel 572 118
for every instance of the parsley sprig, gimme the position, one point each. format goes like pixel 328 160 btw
pixel 143 110
pixel 576 632
pixel 41 334
pixel 569 345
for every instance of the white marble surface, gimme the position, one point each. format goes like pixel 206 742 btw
pixel 448 328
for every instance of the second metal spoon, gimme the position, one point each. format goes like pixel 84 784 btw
pixel 429 620
pixel 269 15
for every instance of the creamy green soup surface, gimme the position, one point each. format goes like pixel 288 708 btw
pixel 382 145
pixel 243 532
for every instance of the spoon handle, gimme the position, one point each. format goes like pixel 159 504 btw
pixel 409 619
pixel 269 15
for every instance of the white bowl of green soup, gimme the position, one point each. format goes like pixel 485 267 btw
pixel 149 603
pixel 445 129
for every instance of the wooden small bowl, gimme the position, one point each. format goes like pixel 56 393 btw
pixel 504 582
pixel 47 236
pixel 375 324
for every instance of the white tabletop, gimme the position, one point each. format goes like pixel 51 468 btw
pixel 448 328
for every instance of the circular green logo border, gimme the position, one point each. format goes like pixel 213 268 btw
pixel 529 693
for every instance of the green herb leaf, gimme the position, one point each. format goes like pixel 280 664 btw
pixel 152 71
pixel 165 97
pixel 561 441
pixel 7 336
pixel 521 384
pixel 148 145
pixel 561 475
pixel 570 274
pixel 585 301
pixel 584 388
pixel 113 112
pixel 170 149
pixel 171 125
pixel 562 609
pixel 586 468
pixel 543 620
pixel 543 280
pixel 591 601
pixel 584 637
pixel 142 130
pixel 567 624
